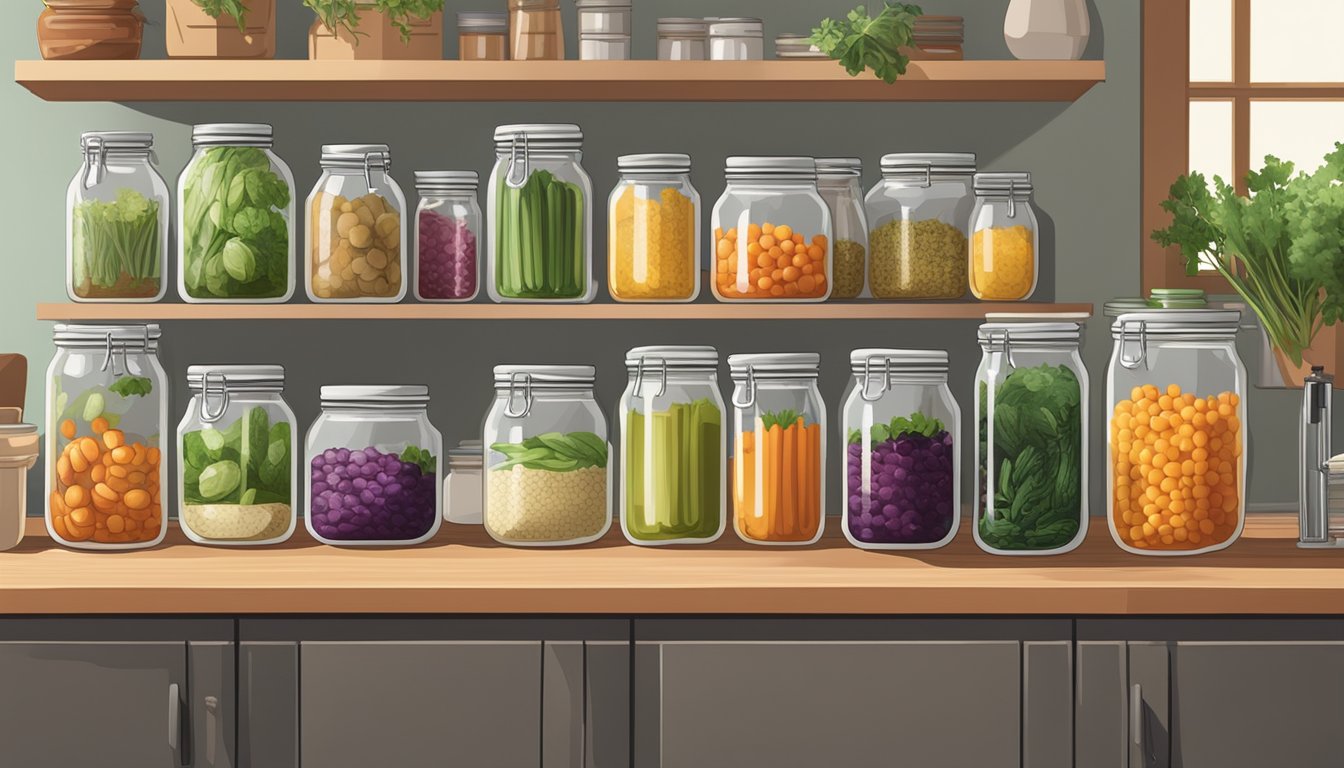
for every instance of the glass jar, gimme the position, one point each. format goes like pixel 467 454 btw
pixel 838 183
pixel 902 454
pixel 537 30
pixel 604 29
pixel 779 448
pixel 237 473
pixel 683 39
pixel 356 231
pixel 1031 446
pixel 235 217
pixel 462 501
pixel 918 215
pixel 116 221
pixel 673 444
pixel 482 36
pixel 373 469
pixel 547 478
pixel 1005 246
pixel 539 212
pixel 772 232
pixel 737 39
pixel 447 249
pixel 1177 452
pixel 653 234
pixel 107 406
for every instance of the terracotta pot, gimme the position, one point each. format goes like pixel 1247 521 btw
pixel 191 33
pixel 377 39
pixel 1278 372
pixel 90 29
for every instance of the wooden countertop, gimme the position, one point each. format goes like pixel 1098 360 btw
pixel 461 571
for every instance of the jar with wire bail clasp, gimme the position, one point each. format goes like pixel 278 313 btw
pixel 447 241
pixel 107 409
pixel 902 456
pixel 918 216
pixel 839 184
pixel 1005 241
pixel 653 234
pixel 673 445
pixel 356 240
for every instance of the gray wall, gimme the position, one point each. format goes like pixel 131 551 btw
pixel 1085 158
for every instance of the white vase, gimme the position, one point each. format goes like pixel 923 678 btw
pixel 1047 29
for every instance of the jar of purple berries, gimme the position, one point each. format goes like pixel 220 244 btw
pixel 902 462
pixel 447 224
pixel 373 470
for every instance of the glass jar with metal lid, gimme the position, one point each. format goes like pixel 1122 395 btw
pixel 116 221
pixel 462 501
pixel 373 474
pixel 107 408
pixel 235 217
pixel 1005 243
pixel 1176 456
pixel 653 230
pixel 482 36
pixel 604 29
pixel 356 228
pixel 736 39
pixel 839 184
pixel 447 245
pixel 540 216
pixel 917 215
pixel 237 472
pixel 797 46
pixel 902 456
pixel 779 448
pixel 683 39
pixel 673 445
pixel 547 474
pixel 1031 447
pixel 772 232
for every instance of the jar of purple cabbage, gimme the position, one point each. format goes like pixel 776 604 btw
pixel 373 470
pixel 902 463
pixel 447 250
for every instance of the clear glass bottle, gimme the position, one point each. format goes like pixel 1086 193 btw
pixel 772 232
pixel 683 39
pixel 673 445
pixel 736 39
pixel 482 36
pixel 653 231
pixel 107 408
pixel 447 242
pixel 779 449
pixel 462 501
pixel 237 472
pixel 1005 243
pixel 1031 439
pixel 839 184
pixel 537 30
pixel 540 216
pixel 116 221
pixel 918 214
pixel 547 474
pixel 373 467
pixel 1176 456
pixel 903 454
pixel 356 241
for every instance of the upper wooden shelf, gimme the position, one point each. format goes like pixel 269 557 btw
pixel 303 80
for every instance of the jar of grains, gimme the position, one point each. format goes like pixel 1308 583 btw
pixel 917 215
pixel 839 184
pixel 654 230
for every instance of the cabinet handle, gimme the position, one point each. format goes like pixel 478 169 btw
pixel 1136 716
pixel 174 716
pixel 211 727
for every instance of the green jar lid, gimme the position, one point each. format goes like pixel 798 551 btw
pixel 1119 306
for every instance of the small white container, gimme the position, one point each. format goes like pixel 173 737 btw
pixel 683 39
pixel 604 47
pixel 604 17
pixel 462 488
pixel 737 40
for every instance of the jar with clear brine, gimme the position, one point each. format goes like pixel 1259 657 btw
pixel 653 234
pixel 1176 452
pixel 1005 245
pixel 356 230
pixel 918 214
pixel 447 248
pixel 838 183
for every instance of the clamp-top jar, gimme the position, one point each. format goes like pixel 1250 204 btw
pixel 918 214
pixel 447 245
pixel 356 230
pixel 839 184
pixel 653 234
pixel 1005 243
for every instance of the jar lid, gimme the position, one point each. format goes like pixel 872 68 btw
pixel 1119 306
pixel 356 155
pixel 931 162
pixel 673 357
pixel 19 445
pixel 664 163
pixel 1046 332
pixel 994 183
pixel 483 21
pixel 737 27
pixel 240 378
pixel 782 365
pixel 583 4
pixel 781 168
pixel 375 396
pixel 546 376
pixel 683 26
pixel 131 336
pixel 1199 323
pixel 863 361
pixel 550 135
pixel 114 141
pixel 232 134
pixel 839 167
pixel 446 181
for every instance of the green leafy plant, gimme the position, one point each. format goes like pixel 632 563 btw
pixel 782 419
pixel 344 14
pixel 554 452
pixel 248 462
pixel 216 8
pixel 860 42
pixel 421 458
pixel 131 386
pixel 918 424
pixel 117 243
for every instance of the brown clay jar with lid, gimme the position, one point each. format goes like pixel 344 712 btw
pixel 90 29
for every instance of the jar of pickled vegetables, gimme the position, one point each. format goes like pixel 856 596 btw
pixel 1031 439
pixel 107 407
pixel 839 184
pixel 673 444
pixel 235 214
pixel 779 449
pixel 540 219
pixel 447 249
pixel 373 467
pixel 772 232
pixel 356 231
pixel 902 452
pixel 653 231
pixel 918 216
pixel 116 221
pixel 1176 456
pixel 547 475
pixel 1005 244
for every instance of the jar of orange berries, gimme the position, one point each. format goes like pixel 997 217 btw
pixel 1177 442
pixel 772 232
pixel 107 405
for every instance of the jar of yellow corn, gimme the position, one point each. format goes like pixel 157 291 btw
pixel 1005 249
pixel 653 230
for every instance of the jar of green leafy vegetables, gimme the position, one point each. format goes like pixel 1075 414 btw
pixel 539 216
pixel 1031 446
pixel 235 214
pixel 673 446
pixel 116 220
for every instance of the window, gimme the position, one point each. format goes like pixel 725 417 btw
pixel 1226 82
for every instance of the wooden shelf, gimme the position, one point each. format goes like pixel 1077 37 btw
pixel 303 80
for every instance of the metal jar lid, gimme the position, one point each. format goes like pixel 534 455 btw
pixel 839 167
pixel 431 182
pixel 116 141
pixel 584 5
pixel 546 376
pixel 782 365
pixel 1047 333
pixel 681 26
pixel 233 135
pixel 483 22
pixel 236 378
pixel 547 135
pixel 374 396
pixel 673 357
pixel 737 27
pixel 869 361
pixel 72 335
pixel 778 168
pixel 356 156
pixel 1183 323
pixel 998 184
pixel 654 163
pixel 906 163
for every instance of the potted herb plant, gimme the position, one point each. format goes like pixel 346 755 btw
pixel 376 29
pixel 221 29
